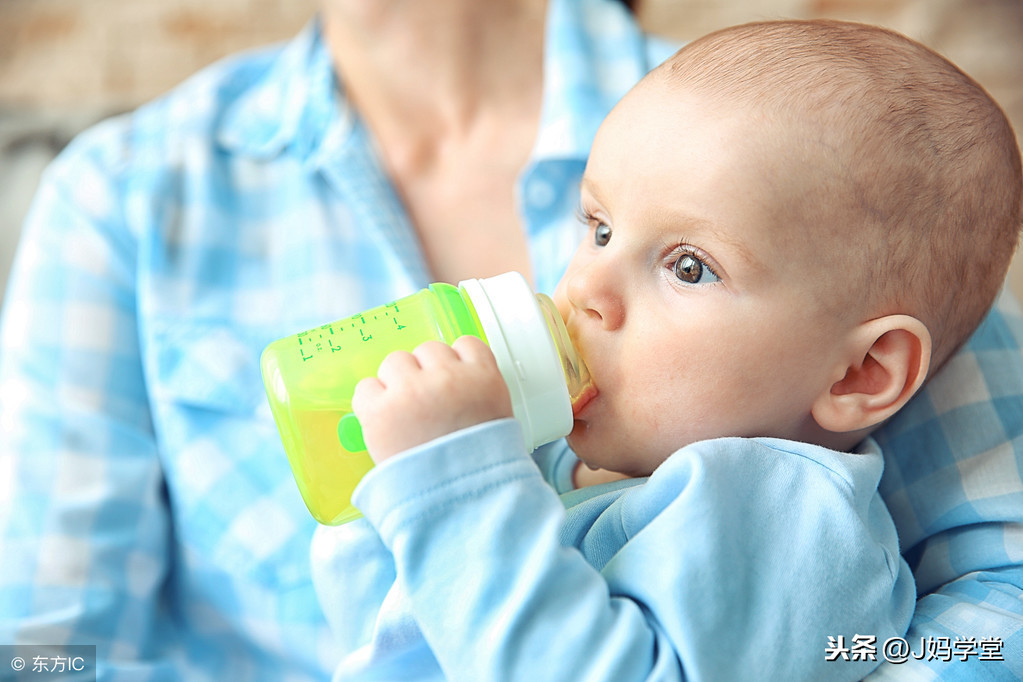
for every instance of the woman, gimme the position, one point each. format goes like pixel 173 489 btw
pixel 149 508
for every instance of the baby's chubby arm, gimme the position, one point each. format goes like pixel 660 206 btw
pixel 435 390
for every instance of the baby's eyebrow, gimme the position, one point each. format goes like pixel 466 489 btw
pixel 740 247
pixel 586 186
pixel 701 228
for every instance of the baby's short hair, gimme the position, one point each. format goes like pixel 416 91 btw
pixel 931 179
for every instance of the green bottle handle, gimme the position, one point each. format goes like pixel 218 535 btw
pixel 349 433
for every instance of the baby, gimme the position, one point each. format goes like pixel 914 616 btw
pixel 791 224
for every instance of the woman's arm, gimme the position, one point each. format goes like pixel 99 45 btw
pixel 84 523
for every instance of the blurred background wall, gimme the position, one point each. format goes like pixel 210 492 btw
pixel 65 64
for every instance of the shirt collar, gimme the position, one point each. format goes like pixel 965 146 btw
pixel 595 52
pixel 296 105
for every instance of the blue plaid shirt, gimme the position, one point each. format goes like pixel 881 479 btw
pixel 146 505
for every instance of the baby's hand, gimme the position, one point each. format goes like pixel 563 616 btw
pixel 435 390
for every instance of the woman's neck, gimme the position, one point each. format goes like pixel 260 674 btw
pixel 421 70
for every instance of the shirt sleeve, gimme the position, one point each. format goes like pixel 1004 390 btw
pixel 83 516
pixel 354 574
pixel 735 560
pixel 953 472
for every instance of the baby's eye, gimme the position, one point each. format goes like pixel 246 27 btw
pixel 691 270
pixel 601 234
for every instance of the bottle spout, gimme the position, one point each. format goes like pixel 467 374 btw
pixel 577 375
pixel 582 398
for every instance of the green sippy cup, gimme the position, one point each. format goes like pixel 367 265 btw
pixel 310 377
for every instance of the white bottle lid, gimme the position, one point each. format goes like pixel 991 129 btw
pixel 526 355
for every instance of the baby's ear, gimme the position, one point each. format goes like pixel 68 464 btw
pixel 889 359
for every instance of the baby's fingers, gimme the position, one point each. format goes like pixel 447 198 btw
pixel 479 358
pixel 473 350
pixel 396 367
pixel 434 354
pixel 366 393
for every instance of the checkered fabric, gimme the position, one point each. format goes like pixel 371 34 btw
pixel 146 505
pixel 953 482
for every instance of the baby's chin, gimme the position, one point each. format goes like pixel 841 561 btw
pixel 578 447
pixel 609 461
pixel 577 441
pixel 595 460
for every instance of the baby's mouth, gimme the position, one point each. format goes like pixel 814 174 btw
pixel 584 398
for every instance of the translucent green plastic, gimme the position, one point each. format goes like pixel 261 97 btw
pixel 310 378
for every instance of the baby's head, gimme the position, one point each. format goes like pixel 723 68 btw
pixel 791 223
